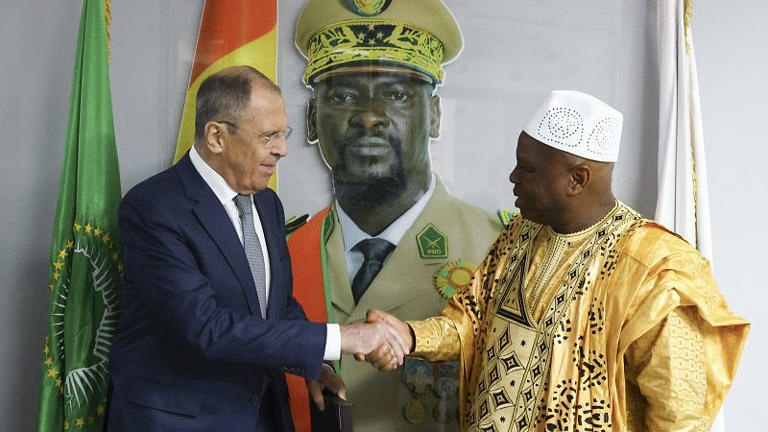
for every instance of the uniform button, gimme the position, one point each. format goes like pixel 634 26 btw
pixel 256 399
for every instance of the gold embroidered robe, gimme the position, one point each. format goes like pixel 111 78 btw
pixel 618 327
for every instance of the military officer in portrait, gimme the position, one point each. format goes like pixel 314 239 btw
pixel 394 238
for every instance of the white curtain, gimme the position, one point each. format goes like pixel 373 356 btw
pixel 683 197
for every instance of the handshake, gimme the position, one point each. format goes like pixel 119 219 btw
pixel 382 340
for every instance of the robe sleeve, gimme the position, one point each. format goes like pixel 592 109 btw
pixel 436 339
pixel 451 335
pixel 667 365
pixel 683 344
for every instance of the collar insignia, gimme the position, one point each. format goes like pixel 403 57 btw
pixel 506 215
pixel 432 243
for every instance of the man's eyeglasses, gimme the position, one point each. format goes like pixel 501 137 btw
pixel 268 139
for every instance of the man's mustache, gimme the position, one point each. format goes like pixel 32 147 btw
pixel 367 137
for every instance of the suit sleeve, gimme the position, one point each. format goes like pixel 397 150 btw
pixel 165 270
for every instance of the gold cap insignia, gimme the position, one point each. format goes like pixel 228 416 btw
pixel 368 7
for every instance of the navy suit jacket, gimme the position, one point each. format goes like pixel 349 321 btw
pixel 191 351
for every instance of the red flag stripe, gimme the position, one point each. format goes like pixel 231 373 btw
pixel 228 25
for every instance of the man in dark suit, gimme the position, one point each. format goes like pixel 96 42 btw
pixel 207 330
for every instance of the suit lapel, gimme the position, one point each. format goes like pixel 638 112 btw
pixel 217 224
pixel 336 266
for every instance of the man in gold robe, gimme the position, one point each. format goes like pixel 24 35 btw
pixel 584 315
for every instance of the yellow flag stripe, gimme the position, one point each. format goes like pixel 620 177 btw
pixel 260 53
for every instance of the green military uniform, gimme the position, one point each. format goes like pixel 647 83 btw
pixel 413 38
pixel 419 396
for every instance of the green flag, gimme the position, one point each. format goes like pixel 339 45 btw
pixel 85 251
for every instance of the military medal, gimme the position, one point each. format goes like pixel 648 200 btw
pixel 445 389
pixel 417 376
pixel 414 412
pixel 446 384
pixel 442 412
pixel 453 276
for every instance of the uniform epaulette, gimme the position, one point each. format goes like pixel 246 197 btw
pixel 295 223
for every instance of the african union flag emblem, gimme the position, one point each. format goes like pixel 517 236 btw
pixel 84 285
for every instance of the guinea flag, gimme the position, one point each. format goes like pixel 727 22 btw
pixel 232 33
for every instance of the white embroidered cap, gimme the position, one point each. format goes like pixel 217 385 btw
pixel 579 124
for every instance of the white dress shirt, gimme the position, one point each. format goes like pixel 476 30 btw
pixel 226 196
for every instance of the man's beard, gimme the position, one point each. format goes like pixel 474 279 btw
pixel 375 192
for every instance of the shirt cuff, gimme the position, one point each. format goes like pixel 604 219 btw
pixel 332 342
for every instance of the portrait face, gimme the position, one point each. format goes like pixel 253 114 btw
pixel 373 130
pixel 541 178
pixel 248 158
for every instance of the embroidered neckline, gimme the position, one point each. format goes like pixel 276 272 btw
pixel 579 235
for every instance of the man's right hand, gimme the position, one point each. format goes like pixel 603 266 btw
pixel 379 358
pixel 377 339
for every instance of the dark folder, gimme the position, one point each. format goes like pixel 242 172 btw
pixel 337 416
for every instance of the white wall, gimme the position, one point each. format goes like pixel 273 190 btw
pixel 515 51
pixel 37 51
pixel 731 42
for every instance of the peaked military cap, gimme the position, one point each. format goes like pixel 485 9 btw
pixel 416 37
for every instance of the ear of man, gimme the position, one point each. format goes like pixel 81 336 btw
pixel 213 135
pixel 435 115
pixel 580 176
pixel 312 121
